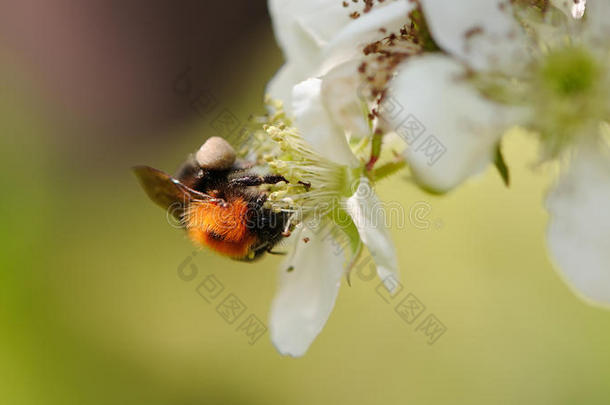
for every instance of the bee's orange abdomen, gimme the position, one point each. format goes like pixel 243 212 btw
pixel 221 228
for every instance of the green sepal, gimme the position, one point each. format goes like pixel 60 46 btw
pixel 344 222
pixel 388 170
pixel 501 165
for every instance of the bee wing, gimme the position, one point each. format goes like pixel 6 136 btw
pixel 166 191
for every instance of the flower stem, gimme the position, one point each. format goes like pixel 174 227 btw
pixel 375 150
pixel 389 169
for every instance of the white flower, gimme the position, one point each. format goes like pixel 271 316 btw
pixel 579 231
pixel 320 40
pixel 337 213
pixel 320 86
pixel 476 35
pixel 530 65
pixel 466 124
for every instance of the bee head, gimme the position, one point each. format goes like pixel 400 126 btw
pixel 216 154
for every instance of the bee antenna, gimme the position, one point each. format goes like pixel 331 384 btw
pixel 193 194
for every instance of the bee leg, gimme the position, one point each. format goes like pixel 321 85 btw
pixel 249 181
pixel 274 179
pixel 246 181
pixel 271 252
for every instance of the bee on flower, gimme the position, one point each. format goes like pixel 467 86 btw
pixel 298 184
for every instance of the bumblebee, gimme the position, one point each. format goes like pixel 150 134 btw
pixel 219 200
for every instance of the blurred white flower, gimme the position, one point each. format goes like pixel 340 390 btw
pixel 337 211
pixel 514 63
pixel 476 36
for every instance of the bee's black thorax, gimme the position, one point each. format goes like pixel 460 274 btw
pixel 240 184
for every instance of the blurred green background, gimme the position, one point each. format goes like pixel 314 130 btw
pixel 92 310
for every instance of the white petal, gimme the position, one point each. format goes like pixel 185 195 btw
pixel 451 130
pixel 598 23
pixel 579 228
pixel 306 294
pixel 369 216
pixel 313 51
pixel 316 125
pixel 302 28
pixel 483 33
pixel 572 8
pixel 282 84
pixel 341 96
pixel 350 41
